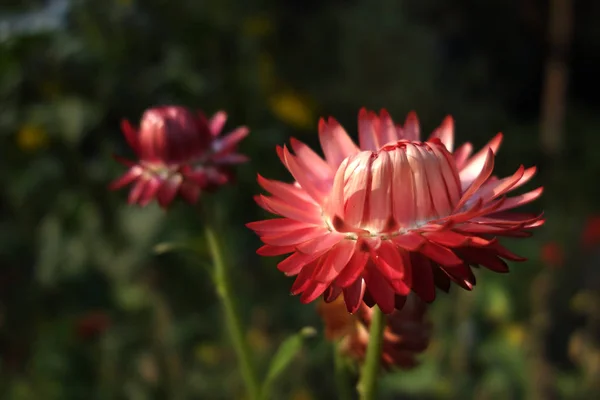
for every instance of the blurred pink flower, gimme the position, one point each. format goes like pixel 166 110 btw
pixel 591 232
pixel 552 254
pixel 393 216
pixel 92 324
pixel 406 335
pixel 178 152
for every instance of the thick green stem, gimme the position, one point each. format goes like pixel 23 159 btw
pixel 367 385
pixel 231 314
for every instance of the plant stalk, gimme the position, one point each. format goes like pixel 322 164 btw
pixel 232 318
pixel 367 385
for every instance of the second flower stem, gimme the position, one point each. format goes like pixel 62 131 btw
pixel 367 385
pixel 232 318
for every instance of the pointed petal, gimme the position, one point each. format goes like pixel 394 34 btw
pixel 294 238
pixel 422 282
pixel 367 128
pixel 353 295
pixel 150 191
pixel 335 262
pixel 387 130
pixel 276 225
pixel 354 268
pixel 314 290
pixel 380 194
pixel 410 241
pixel 321 243
pixel 440 254
pixel 484 258
pixel 285 191
pixel 270 251
pixel 461 155
pixel 293 264
pixel 461 275
pixel 303 279
pixel 169 190
pixel 332 293
pixel 521 200
pixel 475 164
pixel 334 204
pixel 355 189
pixel 473 185
pixel 311 160
pixel 131 175
pixel 217 122
pixel 381 291
pixel 388 261
pixel 441 280
pixel 412 129
pixel 276 206
pixel 404 208
pixel 137 190
pixel 228 143
pixel 445 133
pixel 303 177
pixel 335 142
pixel 131 135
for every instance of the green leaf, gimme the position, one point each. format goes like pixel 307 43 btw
pixel 288 350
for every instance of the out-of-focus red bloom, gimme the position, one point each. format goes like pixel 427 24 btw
pixel 552 254
pixel 591 232
pixel 92 325
pixel 392 216
pixel 179 152
pixel 406 335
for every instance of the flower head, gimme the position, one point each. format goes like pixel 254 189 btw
pixel 178 152
pixel 406 335
pixel 591 232
pixel 553 254
pixel 392 216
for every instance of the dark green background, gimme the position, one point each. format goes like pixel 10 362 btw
pixel 70 250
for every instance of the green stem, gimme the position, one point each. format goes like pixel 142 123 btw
pixel 231 314
pixel 342 379
pixel 367 385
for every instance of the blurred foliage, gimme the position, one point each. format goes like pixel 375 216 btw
pixel 88 309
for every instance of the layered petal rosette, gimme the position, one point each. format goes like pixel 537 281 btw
pixel 392 216
pixel 179 152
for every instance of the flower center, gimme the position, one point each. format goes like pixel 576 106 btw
pixel 160 169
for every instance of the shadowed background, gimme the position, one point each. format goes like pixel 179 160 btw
pixel 91 307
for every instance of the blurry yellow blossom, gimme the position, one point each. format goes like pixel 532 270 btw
pixel 257 26
pixel 208 354
pixel 577 346
pixel 31 138
pixel 515 334
pixel 292 109
pixel 499 307
pixel 443 388
pixel 148 368
pixel 301 394
pixel 584 302
pixel 258 340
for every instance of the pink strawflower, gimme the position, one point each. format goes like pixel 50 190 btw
pixel 178 152
pixel 393 216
